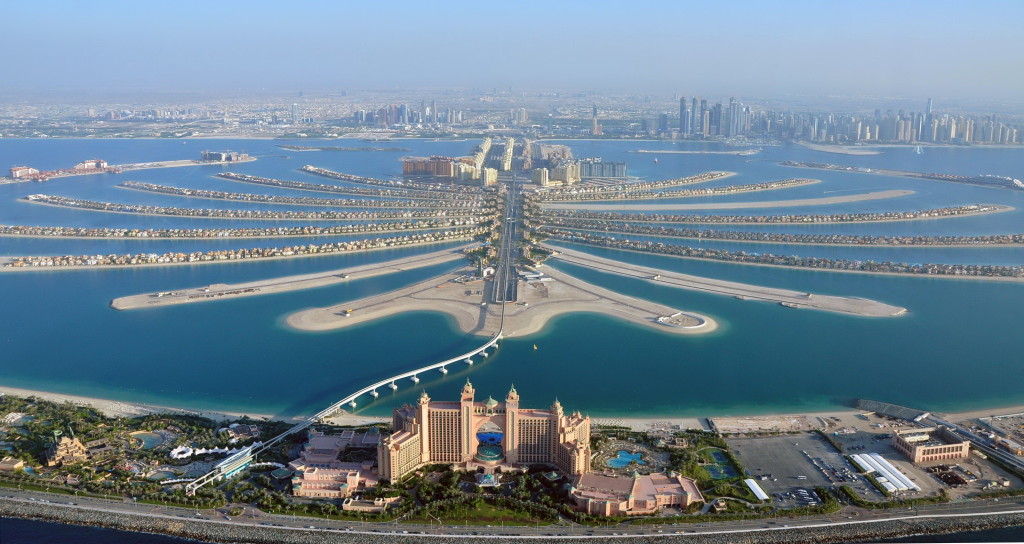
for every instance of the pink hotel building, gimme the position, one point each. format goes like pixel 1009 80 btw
pixel 487 434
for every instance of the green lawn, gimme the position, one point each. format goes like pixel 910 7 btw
pixel 486 514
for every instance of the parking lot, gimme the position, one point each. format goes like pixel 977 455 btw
pixel 784 464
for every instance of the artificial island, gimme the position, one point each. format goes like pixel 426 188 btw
pixel 511 211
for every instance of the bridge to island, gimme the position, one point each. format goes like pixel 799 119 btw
pixel 503 293
pixel 243 458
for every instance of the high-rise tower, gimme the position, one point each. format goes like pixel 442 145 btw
pixel 684 117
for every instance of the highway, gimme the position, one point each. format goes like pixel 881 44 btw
pixel 506 285
pixel 253 519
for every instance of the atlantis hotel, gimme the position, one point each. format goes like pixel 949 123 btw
pixel 487 434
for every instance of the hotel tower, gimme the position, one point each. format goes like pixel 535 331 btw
pixel 487 434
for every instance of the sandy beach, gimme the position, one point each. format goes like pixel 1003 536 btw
pixel 115 408
pixel 538 303
pixel 877 195
pixel 457 214
pixel 788 243
pixel 725 422
pixel 742 291
pixel 221 291
pixel 741 153
pixel 809 269
pixel 204 263
pixel 136 166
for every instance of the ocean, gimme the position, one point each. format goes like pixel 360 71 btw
pixel 957 348
pixel 19 531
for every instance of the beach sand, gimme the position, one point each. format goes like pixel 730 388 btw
pixel 127 409
pixel 741 152
pixel 685 193
pixel 4 260
pixel 538 303
pixel 115 408
pixel 734 422
pixel 221 291
pixel 742 291
pixel 877 195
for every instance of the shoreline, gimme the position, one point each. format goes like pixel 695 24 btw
pixel 804 268
pixel 133 167
pixel 130 409
pixel 218 261
pixel 283 284
pixel 887 172
pixel 332 205
pixel 538 304
pixel 208 238
pixel 1000 208
pixel 742 241
pixel 742 152
pixel 227 218
pixel 743 291
pixel 124 408
pixel 877 195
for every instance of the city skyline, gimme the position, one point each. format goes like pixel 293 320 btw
pixel 939 49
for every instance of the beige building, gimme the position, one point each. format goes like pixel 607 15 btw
pixel 65 450
pixel 931 444
pixel 540 177
pixel 487 434
pixel 10 464
pixel 640 495
pixel 376 506
pixel 488 176
pixel 567 172
pixel 18 172
pixel 239 431
pixel 319 473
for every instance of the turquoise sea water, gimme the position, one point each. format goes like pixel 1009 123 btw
pixel 958 347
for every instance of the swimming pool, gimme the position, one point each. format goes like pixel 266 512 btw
pixel 149 440
pixel 161 475
pixel 624 458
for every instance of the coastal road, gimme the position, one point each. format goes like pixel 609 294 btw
pixel 254 520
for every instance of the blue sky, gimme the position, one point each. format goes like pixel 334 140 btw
pixel 906 48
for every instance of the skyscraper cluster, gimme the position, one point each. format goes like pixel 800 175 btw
pixel 899 126
pixel 698 119
pixel 403 114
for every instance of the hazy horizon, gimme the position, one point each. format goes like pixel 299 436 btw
pixel 878 49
